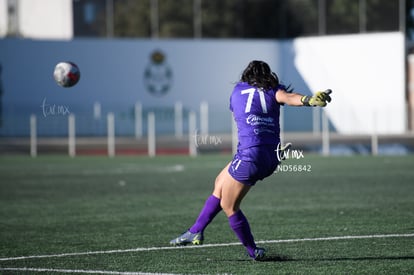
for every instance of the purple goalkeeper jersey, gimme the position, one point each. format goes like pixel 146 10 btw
pixel 256 113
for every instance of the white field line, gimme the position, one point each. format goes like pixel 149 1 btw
pixel 141 249
pixel 72 271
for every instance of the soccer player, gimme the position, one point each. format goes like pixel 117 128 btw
pixel 255 103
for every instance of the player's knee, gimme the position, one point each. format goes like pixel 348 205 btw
pixel 228 208
pixel 218 183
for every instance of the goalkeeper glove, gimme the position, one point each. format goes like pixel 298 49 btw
pixel 319 99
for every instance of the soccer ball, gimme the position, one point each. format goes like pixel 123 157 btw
pixel 66 74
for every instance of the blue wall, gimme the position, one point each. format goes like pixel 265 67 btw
pixel 118 73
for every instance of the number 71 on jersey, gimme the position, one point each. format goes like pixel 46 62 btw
pixel 249 102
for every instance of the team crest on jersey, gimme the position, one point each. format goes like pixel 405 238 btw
pixel 158 74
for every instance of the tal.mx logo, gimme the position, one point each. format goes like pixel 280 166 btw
pixel 53 109
pixel 285 152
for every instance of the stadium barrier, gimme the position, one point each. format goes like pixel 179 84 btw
pixel 111 135
pixel 148 139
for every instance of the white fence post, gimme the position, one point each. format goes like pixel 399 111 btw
pixel 97 110
pixel 374 136
pixel 33 136
pixel 111 134
pixel 138 120
pixel 325 134
pixel 204 118
pixel 234 135
pixel 316 116
pixel 71 135
pixel 178 119
pixel 374 144
pixel 192 136
pixel 151 135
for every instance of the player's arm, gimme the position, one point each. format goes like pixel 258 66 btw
pixel 294 99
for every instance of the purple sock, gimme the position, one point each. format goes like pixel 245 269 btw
pixel 210 210
pixel 241 227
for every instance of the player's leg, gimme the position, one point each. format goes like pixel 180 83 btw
pixel 195 233
pixel 211 208
pixel 232 193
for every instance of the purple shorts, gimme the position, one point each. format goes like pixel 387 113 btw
pixel 253 164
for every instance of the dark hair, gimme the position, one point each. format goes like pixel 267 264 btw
pixel 259 74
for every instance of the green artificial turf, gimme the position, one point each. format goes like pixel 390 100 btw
pixel 126 209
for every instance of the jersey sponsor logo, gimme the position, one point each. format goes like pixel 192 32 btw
pixel 255 120
pixel 263 130
pixel 262 124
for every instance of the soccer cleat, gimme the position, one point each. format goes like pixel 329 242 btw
pixel 188 238
pixel 259 254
